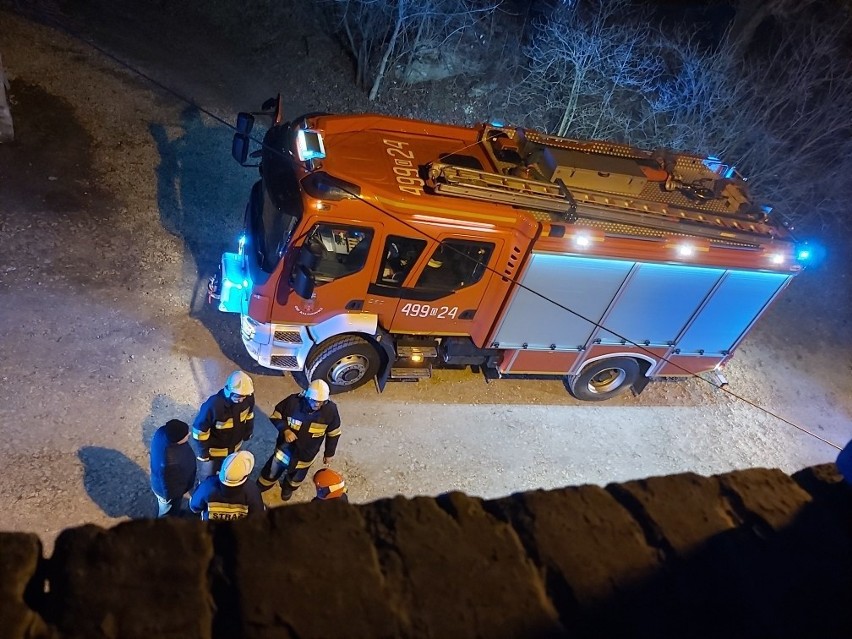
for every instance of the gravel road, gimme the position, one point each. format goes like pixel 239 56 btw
pixel 115 203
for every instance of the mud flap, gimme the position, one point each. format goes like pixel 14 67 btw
pixel 639 385
pixel 386 342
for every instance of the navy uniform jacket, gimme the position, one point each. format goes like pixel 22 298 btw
pixel 222 426
pixel 311 427
pixel 172 466
pixel 218 502
pixel 844 462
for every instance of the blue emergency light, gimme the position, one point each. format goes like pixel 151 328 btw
pixel 808 254
pixel 309 145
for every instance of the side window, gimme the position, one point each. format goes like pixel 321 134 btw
pixel 341 250
pixel 400 255
pixel 456 264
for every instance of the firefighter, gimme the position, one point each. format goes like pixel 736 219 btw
pixel 329 485
pixel 227 495
pixel 225 421
pixel 303 421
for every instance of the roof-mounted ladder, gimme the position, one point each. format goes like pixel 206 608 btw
pixel 449 179
pixel 554 197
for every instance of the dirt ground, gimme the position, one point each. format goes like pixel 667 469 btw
pixel 115 202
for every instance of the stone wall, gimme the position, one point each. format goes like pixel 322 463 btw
pixel 752 553
pixel 7 130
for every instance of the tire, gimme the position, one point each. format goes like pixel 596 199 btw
pixel 301 379
pixel 604 379
pixel 344 362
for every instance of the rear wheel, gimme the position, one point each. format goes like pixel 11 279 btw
pixel 604 379
pixel 344 362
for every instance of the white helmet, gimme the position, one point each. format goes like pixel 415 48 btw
pixel 239 384
pixel 236 468
pixel 317 391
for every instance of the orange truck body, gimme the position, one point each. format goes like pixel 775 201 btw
pixel 378 248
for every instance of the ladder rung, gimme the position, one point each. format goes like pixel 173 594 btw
pixel 494 187
pixel 460 175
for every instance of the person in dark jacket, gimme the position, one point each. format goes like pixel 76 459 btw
pixel 844 463
pixel 172 466
pixel 225 421
pixel 227 496
pixel 303 421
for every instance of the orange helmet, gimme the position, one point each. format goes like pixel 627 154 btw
pixel 329 483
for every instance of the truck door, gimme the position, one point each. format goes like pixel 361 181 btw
pixel 400 257
pixel 345 266
pixel 442 285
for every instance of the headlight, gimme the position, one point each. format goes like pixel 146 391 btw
pixel 249 327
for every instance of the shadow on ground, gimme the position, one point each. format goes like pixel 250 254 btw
pixel 118 486
pixel 201 195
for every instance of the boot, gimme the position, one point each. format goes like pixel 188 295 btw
pixel 264 485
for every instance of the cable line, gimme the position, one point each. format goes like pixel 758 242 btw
pixel 181 98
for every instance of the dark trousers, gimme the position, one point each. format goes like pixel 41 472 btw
pixel 283 466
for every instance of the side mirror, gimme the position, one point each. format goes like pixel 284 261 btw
pixel 245 123
pixel 303 279
pixel 240 145
pixel 303 282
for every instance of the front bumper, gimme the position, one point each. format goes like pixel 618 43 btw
pixel 278 346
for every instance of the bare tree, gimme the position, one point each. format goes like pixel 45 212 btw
pixel 393 35
pixel 784 115
pixel 801 97
pixel 697 103
pixel 399 23
pixel 364 24
pixel 583 66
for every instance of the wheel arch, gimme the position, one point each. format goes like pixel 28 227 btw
pixel 632 374
pixel 355 323
pixel 645 362
pixel 329 360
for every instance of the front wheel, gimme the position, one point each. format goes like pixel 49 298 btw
pixel 604 379
pixel 344 362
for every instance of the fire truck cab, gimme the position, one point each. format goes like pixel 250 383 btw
pixel 377 247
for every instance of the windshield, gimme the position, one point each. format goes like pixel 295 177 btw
pixel 279 208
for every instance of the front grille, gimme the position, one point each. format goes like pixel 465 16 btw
pixel 291 337
pixel 284 361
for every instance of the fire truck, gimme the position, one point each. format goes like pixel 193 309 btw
pixel 378 248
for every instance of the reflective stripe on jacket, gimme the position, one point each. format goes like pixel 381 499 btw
pixel 217 502
pixel 222 426
pixel 311 427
